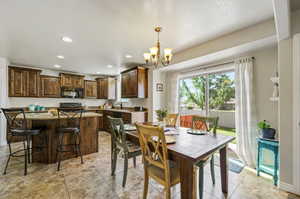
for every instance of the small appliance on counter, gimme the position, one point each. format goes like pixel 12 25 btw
pixel 71 92
pixel 33 107
pixel 138 108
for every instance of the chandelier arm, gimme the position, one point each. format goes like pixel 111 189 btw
pixel 163 63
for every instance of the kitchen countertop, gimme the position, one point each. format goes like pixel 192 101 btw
pixel 124 110
pixel 114 110
pixel 49 116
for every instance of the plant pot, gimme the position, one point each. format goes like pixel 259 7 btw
pixel 268 133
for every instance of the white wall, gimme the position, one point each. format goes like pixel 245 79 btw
pixel 285 110
pixel 253 33
pixel 285 63
pixel 158 97
pixel 265 65
pixel 3 98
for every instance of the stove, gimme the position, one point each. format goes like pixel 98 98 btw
pixel 70 105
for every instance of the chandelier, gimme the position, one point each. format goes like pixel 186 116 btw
pixel 154 57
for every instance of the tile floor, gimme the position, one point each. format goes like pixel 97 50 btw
pixel 93 180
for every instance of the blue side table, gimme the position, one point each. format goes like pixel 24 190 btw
pixel 272 145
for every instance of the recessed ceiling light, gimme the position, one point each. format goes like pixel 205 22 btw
pixel 67 39
pixel 128 56
pixel 60 56
pixel 57 66
pixel 109 66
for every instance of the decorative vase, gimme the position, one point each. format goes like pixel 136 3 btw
pixel 268 133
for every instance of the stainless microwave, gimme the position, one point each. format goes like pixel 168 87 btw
pixel 72 92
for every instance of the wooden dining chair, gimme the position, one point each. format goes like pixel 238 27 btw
pixel 171 120
pixel 209 124
pixel 155 157
pixel 121 145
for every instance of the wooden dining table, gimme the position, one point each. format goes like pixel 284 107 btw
pixel 190 149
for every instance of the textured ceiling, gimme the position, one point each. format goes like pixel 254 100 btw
pixel 104 31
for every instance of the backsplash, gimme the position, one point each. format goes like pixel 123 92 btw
pixel 135 102
pixel 50 102
pixel 54 102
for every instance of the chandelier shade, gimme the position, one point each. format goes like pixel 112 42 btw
pixel 154 56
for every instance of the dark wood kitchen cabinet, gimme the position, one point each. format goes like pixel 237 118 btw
pixel 23 82
pixel 50 86
pixel 71 80
pixel 90 89
pixel 134 83
pixel 106 88
pixel 78 81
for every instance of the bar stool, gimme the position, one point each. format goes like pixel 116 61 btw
pixel 70 127
pixel 17 128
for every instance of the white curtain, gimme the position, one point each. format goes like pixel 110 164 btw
pixel 245 113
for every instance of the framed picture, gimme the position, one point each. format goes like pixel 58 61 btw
pixel 159 87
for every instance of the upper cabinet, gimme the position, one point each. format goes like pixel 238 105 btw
pixel 134 83
pixel 90 89
pixel 26 82
pixel 72 81
pixel 23 82
pixel 50 86
pixel 106 88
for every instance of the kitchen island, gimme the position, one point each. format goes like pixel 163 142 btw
pixel 128 115
pixel 49 123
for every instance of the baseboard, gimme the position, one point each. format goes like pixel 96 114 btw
pixel 288 187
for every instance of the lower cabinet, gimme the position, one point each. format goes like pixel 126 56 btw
pixel 127 117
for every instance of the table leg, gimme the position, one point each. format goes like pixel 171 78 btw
pixel 258 159
pixel 224 169
pixel 187 179
pixel 276 167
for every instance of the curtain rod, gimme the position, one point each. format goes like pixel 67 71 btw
pixel 212 65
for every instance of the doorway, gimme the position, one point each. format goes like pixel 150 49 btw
pixel 210 94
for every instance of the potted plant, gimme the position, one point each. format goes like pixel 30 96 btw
pixel 266 130
pixel 161 114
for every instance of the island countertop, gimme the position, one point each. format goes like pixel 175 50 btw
pixel 124 110
pixel 49 116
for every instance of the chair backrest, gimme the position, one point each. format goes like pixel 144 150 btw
pixel 205 123
pixel 72 115
pixel 117 131
pixel 154 147
pixel 171 120
pixel 15 117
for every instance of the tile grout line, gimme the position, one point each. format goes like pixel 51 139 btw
pixel 67 189
pixel 237 186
